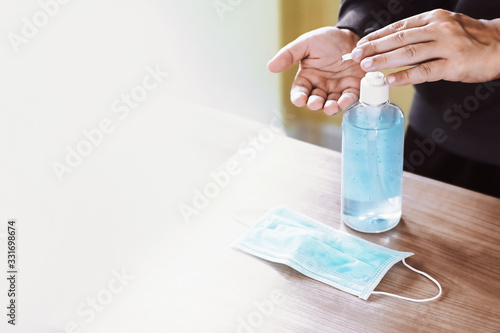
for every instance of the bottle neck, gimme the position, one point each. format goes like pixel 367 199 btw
pixel 374 105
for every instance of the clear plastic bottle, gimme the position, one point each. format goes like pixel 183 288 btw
pixel 372 159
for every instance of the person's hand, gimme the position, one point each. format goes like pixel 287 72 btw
pixel 322 81
pixel 441 45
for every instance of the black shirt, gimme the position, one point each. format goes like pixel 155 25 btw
pixel 467 113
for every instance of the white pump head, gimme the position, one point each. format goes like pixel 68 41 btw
pixel 374 90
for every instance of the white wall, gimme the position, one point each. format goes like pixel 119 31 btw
pixel 91 50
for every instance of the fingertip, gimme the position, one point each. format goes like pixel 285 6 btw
pixel 315 103
pixel 299 102
pixel 298 98
pixel 357 54
pixel 366 64
pixel 397 80
pixel 391 80
pixel 271 65
pixel 346 101
pixel 331 107
pixel 281 61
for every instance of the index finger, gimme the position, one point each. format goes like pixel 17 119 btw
pixel 408 23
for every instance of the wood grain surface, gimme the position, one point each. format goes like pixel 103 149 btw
pixel 454 233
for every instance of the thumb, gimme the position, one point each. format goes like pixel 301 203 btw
pixel 288 56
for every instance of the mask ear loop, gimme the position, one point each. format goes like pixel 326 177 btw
pixel 412 299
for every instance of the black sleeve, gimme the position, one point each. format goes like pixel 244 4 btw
pixel 365 16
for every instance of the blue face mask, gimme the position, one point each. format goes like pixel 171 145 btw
pixel 338 259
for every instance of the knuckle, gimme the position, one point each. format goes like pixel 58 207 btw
pixel 290 56
pixel 455 16
pixel 372 47
pixel 447 27
pixel 400 37
pixel 406 76
pixel 425 69
pixel 380 60
pixel 383 59
pixel 411 51
pixel 397 26
pixel 440 13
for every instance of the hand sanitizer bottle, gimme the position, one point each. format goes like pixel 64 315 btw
pixel 372 159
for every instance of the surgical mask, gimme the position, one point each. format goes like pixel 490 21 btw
pixel 338 259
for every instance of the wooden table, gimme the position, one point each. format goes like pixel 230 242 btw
pixel 119 214
pixel 454 233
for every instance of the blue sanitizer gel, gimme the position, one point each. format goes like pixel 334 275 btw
pixel 372 159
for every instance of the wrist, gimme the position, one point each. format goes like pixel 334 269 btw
pixel 350 34
pixel 350 40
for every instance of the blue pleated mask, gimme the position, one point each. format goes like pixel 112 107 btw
pixel 338 259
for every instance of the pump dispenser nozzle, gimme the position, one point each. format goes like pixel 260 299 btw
pixel 374 90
